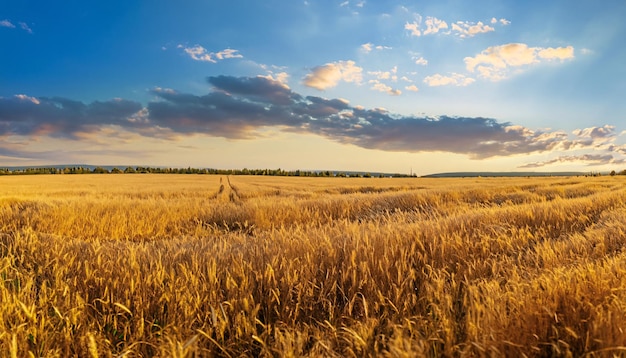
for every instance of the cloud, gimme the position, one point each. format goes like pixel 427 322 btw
pixel 240 107
pixel 503 22
pixel 7 23
pixel 463 29
pixel 467 29
pixel 589 159
pixel 421 61
pixel 25 27
pixel 381 87
pixel 454 79
pixel 61 117
pixel 602 133
pixel 412 88
pixel 495 62
pixel 413 27
pixel 199 53
pixel 330 74
pixel 368 47
pixel 385 75
pixel 433 25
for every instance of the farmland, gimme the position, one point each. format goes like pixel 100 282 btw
pixel 145 265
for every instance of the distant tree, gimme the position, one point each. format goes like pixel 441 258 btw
pixel 129 170
pixel 100 170
pixel 116 171
pixel 612 173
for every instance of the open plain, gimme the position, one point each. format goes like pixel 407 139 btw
pixel 141 265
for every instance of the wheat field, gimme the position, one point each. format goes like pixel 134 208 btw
pixel 141 265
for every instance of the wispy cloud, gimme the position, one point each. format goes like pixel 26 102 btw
pixel 368 47
pixel 495 63
pixel 421 61
pixel 412 88
pixel 454 79
pixel 7 23
pixel 385 75
pixel 463 29
pixel 588 159
pixel 503 21
pixel 24 26
pixel 469 29
pixel 239 107
pixel 431 25
pixel 199 53
pixel 330 74
pixel 381 87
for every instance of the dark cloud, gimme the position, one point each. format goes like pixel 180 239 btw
pixel 238 107
pixel 256 88
pixel 61 117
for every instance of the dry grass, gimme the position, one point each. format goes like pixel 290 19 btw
pixel 183 266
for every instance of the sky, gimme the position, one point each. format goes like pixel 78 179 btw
pixel 379 86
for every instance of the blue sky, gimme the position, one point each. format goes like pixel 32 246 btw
pixel 346 85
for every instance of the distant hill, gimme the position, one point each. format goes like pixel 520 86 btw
pixel 503 174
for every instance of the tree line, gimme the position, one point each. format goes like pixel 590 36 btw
pixel 190 170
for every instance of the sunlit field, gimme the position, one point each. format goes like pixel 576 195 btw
pixel 142 265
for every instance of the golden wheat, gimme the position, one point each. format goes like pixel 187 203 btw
pixel 186 265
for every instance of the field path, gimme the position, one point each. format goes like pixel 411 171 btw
pixel 227 191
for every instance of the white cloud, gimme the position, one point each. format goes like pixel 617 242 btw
pixel 381 87
pixel 586 51
pixel 368 47
pixel 412 88
pixel 329 75
pixel 381 75
pixel 7 23
pixel 23 97
pixel 463 29
pixel 495 62
pixel 413 27
pixel 503 22
pixel 280 77
pixel 199 53
pixel 468 29
pixel 559 53
pixel 454 79
pixel 345 3
pixel 421 61
pixel 433 25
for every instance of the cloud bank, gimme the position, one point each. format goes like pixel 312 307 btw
pixel 240 107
